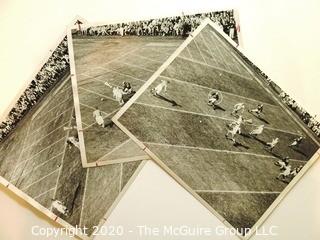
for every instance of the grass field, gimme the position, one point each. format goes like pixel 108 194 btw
pixel 36 159
pixel 113 60
pixel 238 181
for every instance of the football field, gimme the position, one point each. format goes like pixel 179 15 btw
pixel 101 65
pixel 37 159
pixel 179 128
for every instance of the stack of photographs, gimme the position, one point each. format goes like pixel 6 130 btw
pixel 177 91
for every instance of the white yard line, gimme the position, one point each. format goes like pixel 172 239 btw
pixel 121 56
pixel 62 158
pixel 111 82
pixel 114 149
pixel 84 74
pixel 189 52
pixel 238 192
pixel 76 210
pixel 87 106
pixel 55 94
pixel 42 126
pixel 164 45
pixel 56 91
pixel 40 179
pixel 38 166
pixel 45 114
pixel 83 198
pixel 227 93
pixel 217 150
pixel 205 43
pixel 211 116
pixel 123 74
pixel 149 59
pixel 128 75
pixel 41 194
pixel 85 124
pixel 221 54
pixel 39 114
pixel 28 159
pixel 215 67
pixel 165 55
pixel 195 42
pixel 20 154
pixel 137 66
pixel 285 108
pixel 39 139
pixel 99 94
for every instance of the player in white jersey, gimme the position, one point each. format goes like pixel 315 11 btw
pixel 238 122
pixel 56 204
pixel 270 145
pixel 285 173
pixel 282 163
pixel 239 107
pixel 257 131
pixel 98 117
pixel 159 88
pixel 231 133
pixel 73 141
pixel 117 93
pixel 296 142
pixel 70 128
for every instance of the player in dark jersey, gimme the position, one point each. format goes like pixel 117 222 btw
pixel 258 111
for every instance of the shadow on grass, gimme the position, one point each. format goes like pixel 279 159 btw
pixel 239 144
pixel 298 151
pixel 257 139
pixel 260 118
pixel 217 107
pixel 274 154
pixel 174 103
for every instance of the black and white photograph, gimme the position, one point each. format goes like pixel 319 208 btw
pixel 111 63
pixel 40 140
pixel 158 121
pixel 41 157
pixel 213 122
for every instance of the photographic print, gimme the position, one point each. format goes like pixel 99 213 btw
pixel 40 141
pixel 40 161
pixel 211 119
pixel 111 63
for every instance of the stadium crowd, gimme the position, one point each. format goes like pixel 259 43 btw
pixel 54 69
pixel 51 72
pixel 170 26
pixel 310 121
pixel 307 118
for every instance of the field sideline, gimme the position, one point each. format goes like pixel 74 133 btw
pixel 37 160
pixel 113 60
pixel 188 136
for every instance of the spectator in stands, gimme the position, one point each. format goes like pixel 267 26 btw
pixel 58 63
pixel 49 74
pixel 171 26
